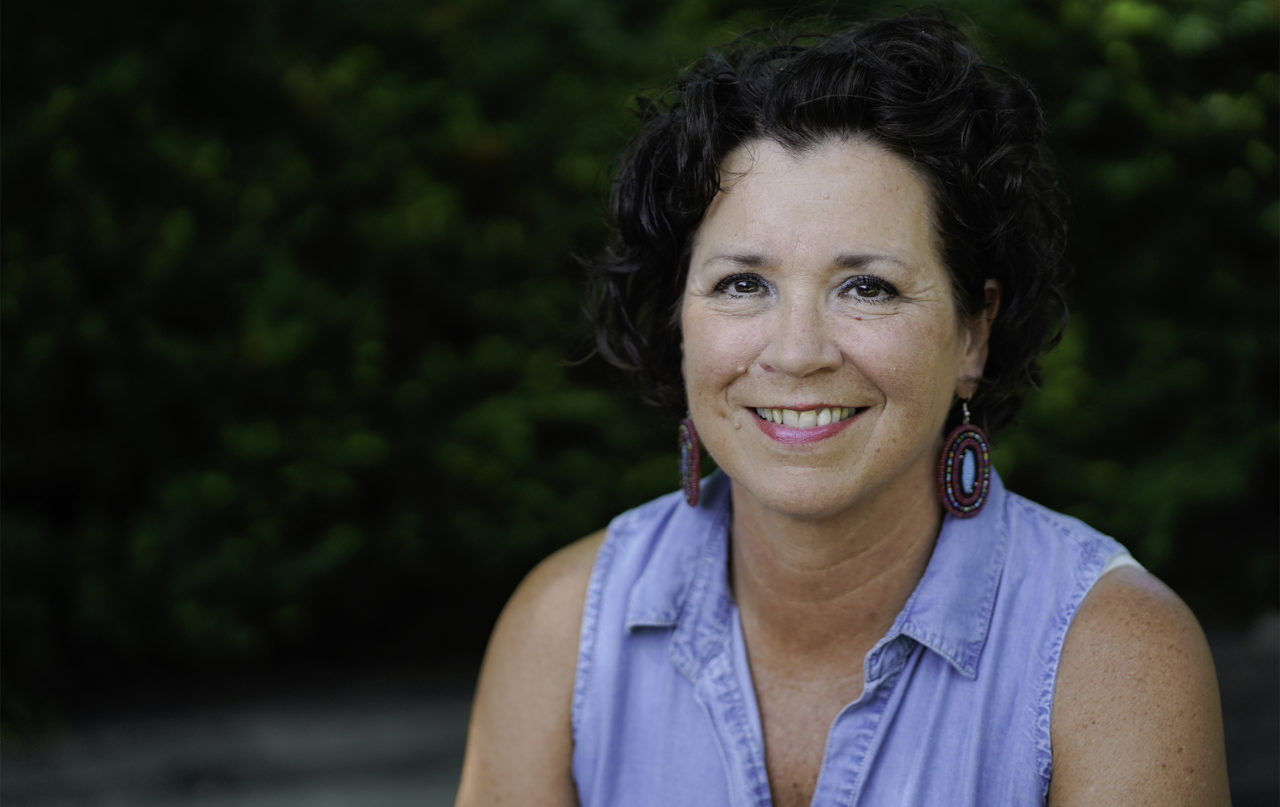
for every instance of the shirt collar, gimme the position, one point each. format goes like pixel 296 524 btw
pixel 693 543
pixel 949 612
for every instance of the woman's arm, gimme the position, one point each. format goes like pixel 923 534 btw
pixel 520 743
pixel 1136 716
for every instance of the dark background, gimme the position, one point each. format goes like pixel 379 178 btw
pixel 290 316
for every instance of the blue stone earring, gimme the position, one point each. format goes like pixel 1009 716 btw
pixel 690 461
pixel 964 469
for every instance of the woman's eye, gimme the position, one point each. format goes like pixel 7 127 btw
pixel 741 286
pixel 870 289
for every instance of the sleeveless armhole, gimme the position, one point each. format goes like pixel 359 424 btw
pixel 1116 558
pixel 587 638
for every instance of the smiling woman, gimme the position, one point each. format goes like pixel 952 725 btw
pixel 833 256
pixel 814 285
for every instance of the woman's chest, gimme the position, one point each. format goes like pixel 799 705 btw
pixel 796 719
pixel 920 736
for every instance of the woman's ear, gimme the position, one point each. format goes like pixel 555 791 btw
pixel 978 339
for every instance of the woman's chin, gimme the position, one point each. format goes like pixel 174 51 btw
pixel 799 499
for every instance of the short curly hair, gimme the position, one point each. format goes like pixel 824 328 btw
pixel 914 85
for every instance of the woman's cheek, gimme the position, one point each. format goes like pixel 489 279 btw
pixel 718 352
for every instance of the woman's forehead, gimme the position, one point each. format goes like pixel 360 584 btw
pixel 849 190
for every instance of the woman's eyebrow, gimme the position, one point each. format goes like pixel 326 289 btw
pixel 860 260
pixel 750 260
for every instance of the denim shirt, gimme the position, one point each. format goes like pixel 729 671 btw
pixel 956 705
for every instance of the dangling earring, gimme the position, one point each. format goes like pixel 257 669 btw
pixel 964 469
pixel 690 461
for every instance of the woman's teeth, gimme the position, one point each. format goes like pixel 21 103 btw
pixel 808 419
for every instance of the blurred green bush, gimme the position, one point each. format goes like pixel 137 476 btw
pixel 289 312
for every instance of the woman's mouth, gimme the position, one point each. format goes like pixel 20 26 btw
pixel 809 425
pixel 807 418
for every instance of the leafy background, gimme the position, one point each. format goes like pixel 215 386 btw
pixel 290 319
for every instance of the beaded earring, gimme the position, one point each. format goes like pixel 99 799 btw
pixel 690 461
pixel 964 469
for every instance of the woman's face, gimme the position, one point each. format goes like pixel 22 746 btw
pixel 822 346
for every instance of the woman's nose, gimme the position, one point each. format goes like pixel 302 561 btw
pixel 800 342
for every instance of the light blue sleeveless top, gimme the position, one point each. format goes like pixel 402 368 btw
pixel 958 694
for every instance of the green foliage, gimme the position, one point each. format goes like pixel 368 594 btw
pixel 1158 420
pixel 289 309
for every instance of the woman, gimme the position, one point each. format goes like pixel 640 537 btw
pixel 840 259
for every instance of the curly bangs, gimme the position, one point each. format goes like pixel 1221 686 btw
pixel 913 85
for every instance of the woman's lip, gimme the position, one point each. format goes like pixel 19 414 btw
pixel 793 436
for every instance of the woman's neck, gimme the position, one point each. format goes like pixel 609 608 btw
pixel 818 592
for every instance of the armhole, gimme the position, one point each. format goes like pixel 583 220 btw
pixel 587 638
pixel 1119 559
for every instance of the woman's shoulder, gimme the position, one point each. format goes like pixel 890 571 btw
pixel 520 739
pixel 535 640
pixel 557 586
pixel 548 604
pixel 539 625
pixel 1134 699
pixel 1136 713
